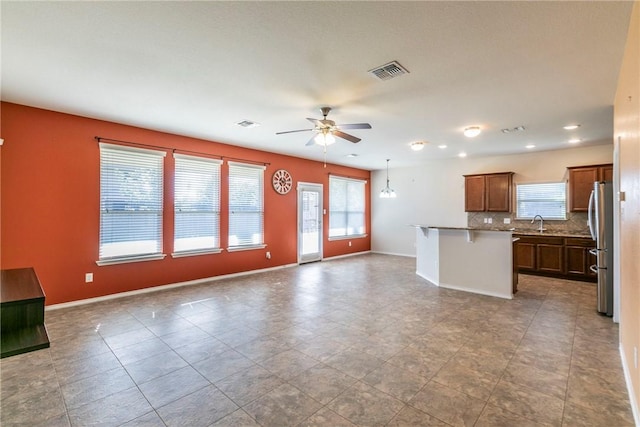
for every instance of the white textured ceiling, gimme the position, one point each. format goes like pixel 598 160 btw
pixel 197 68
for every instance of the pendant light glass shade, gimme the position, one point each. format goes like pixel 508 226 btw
pixel 387 192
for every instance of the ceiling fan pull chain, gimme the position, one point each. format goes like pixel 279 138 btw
pixel 325 155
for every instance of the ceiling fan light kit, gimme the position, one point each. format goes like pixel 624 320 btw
pixel 324 138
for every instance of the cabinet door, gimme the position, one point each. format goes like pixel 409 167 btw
pixel 606 173
pixel 550 258
pixel 580 186
pixel 526 256
pixel 576 260
pixel 498 193
pixel 474 188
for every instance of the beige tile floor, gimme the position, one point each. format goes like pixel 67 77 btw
pixel 355 341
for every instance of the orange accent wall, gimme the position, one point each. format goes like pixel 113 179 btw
pixel 50 197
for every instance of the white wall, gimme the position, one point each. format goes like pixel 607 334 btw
pixel 433 193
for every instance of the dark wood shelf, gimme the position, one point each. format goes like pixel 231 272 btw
pixel 21 312
pixel 24 340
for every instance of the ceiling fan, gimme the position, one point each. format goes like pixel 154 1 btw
pixel 326 130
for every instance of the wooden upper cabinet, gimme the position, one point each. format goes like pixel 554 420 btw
pixel 499 192
pixel 581 181
pixel 474 193
pixel 488 192
pixel 606 173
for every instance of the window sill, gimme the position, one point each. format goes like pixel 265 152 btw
pixel 125 260
pixel 355 236
pixel 245 248
pixel 183 254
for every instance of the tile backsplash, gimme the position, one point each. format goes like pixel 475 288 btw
pixel 576 222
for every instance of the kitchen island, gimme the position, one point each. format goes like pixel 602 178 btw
pixel 466 259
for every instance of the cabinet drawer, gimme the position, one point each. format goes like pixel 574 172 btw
pixel 540 240
pixel 578 241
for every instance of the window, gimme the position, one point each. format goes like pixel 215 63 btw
pixel 246 206
pixel 130 204
pixel 197 205
pixel 548 200
pixel 346 207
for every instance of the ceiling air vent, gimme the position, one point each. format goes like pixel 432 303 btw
pixel 389 71
pixel 247 124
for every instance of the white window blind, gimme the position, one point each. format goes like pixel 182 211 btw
pixel 197 204
pixel 346 207
pixel 130 202
pixel 548 200
pixel 246 205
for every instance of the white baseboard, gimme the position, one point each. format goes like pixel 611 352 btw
pixel 431 280
pixel 162 287
pixel 394 254
pixel 632 395
pixel 476 291
pixel 346 255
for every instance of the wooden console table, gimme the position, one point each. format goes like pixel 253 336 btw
pixel 21 312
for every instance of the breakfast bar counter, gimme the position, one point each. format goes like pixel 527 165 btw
pixel 466 259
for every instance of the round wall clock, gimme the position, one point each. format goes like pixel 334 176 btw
pixel 282 181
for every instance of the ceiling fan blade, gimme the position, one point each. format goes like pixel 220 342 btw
pixel 292 131
pixel 355 126
pixel 311 141
pixel 314 121
pixel 346 136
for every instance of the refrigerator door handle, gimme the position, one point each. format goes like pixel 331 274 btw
pixel 591 216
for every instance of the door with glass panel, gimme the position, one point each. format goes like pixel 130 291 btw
pixel 309 222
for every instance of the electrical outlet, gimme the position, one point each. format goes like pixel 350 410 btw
pixel 507 220
pixel 486 220
pixel 268 255
pixel 490 220
pixel 88 278
pixel 349 243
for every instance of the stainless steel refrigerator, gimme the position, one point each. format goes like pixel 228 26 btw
pixel 601 227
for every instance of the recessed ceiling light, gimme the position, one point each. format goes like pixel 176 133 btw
pixel 530 146
pixel 575 141
pixel 248 124
pixel 463 154
pixel 417 145
pixel 505 130
pixel 571 127
pixel 352 155
pixel 472 131
pixel 442 146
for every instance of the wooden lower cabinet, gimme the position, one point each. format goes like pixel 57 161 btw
pixel 564 257
pixel 526 256
pixel 578 259
pixel 550 258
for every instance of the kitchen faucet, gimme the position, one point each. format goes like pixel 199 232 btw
pixel 540 229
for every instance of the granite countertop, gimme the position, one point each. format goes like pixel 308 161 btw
pixel 521 232
pixel 552 233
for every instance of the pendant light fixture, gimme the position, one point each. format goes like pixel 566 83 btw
pixel 387 192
